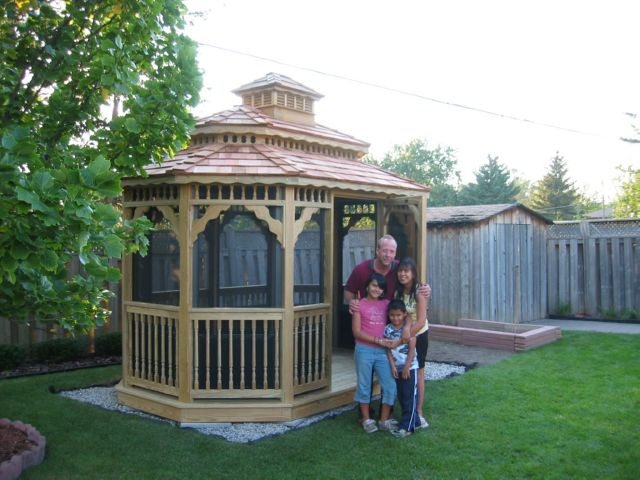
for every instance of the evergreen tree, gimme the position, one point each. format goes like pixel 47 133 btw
pixel 435 167
pixel 554 195
pixel 493 185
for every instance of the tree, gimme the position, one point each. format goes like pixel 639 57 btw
pixel 555 195
pixel 437 168
pixel 628 201
pixel 493 185
pixel 61 161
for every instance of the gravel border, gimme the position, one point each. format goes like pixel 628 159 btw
pixel 106 397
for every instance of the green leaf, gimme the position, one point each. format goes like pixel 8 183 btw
pixel 118 41
pixel 19 251
pixel 106 214
pixel 49 260
pixel 99 166
pixel 132 125
pixel 31 198
pixel 113 246
pixel 84 212
pixel 9 263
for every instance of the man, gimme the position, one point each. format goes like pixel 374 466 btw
pixel 384 263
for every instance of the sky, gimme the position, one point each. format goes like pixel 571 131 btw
pixel 556 76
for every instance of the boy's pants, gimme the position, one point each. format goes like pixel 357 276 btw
pixel 408 399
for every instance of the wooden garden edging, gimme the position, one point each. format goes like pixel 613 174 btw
pixel 483 333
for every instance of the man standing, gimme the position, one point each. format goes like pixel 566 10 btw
pixel 384 263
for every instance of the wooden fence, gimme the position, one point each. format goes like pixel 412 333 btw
pixel 594 268
pixel 590 268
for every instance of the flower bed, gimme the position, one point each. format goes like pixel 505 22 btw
pixel 22 447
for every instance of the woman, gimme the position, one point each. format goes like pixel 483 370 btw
pixel 407 291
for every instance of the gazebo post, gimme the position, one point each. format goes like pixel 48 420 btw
pixel 288 300
pixel 184 343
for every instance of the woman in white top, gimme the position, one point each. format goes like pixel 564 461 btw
pixel 407 288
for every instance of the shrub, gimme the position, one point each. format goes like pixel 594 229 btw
pixel 58 350
pixel 11 356
pixel 109 344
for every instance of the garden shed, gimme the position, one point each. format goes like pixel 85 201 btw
pixel 487 262
pixel 235 314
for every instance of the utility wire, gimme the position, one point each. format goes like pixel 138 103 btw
pixel 397 90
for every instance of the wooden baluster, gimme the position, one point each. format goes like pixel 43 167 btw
pixel 324 345
pixel 195 330
pixel 131 318
pixel 276 326
pixel 219 346
pixel 208 347
pixel 242 354
pixel 137 344
pixel 316 336
pixel 253 354
pixel 305 354
pixel 295 350
pixel 170 360
pixel 163 343
pixel 265 357
pixel 155 349
pixel 231 386
pixel 144 360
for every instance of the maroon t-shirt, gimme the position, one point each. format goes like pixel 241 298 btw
pixel 362 272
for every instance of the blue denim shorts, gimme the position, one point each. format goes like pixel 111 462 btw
pixel 369 359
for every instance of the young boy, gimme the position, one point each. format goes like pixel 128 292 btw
pixel 404 366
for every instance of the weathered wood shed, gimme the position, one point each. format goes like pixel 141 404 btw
pixel 487 262
pixel 234 314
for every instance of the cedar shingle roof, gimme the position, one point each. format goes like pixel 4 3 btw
pixel 472 213
pixel 251 117
pixel 268 160
pixel 281 80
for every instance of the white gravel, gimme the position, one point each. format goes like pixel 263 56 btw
pixel 105 397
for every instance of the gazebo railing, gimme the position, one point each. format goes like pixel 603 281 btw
pixel 152 347
pixel 234 354
pixel 310 331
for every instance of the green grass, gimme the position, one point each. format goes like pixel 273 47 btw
pixel 567 410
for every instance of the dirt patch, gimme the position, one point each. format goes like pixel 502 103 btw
pixel 13 442
pixel 469 356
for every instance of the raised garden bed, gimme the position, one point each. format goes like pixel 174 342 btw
pixel 503 336
pixel 21 447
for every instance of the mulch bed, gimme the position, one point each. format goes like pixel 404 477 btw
pixel 12 442
pixel 28 369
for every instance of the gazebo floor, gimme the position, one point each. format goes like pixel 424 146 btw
pixel 343 384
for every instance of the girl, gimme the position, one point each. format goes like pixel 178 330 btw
pixel 417 309
pixel 370 353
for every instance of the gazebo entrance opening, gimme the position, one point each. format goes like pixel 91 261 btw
pixel 358 225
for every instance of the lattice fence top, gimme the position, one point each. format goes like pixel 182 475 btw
pixel 597 229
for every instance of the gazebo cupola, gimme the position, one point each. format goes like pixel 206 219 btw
pixel 232 316
pixel 280 97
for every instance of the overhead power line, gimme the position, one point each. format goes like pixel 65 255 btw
pixel 400 91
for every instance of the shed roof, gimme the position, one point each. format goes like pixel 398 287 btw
pixel 473 213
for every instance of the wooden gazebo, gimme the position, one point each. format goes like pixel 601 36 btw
pixel 236 313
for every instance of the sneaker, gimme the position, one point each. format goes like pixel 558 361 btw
pixel 369 425
pixel 400 433
pixel 422 423
pixel 388 425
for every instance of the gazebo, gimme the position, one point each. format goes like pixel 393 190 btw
pixel 236 313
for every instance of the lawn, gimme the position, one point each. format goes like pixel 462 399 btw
pixel 568 410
